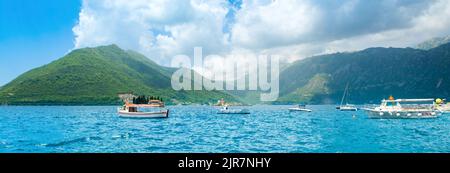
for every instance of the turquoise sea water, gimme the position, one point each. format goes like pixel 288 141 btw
pixel 76 129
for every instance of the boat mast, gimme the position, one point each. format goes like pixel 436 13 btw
pixel 345 92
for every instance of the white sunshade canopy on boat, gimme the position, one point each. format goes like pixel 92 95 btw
pixel 409 100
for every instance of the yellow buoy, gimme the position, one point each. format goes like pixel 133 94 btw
pixel 439 101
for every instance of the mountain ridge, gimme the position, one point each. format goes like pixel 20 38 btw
pixel 93 76
pixel 373 74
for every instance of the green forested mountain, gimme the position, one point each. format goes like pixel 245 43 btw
pixel 372 74
pixel 92 76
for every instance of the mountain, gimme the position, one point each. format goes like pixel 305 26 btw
pixel 93 76
pixel 372 74
pixel 432 43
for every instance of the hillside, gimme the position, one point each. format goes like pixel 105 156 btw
pixel 93 76
pixel 372 74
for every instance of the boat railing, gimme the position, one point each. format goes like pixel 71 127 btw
pixel 408 100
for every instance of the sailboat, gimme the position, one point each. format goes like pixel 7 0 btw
pixel 346 107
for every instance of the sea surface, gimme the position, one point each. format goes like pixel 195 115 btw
pixel 86 129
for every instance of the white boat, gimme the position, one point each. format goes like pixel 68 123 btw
pixel 301 108
pixel 403 108
pixel 346 107
pixel 131 111
pixel 226 110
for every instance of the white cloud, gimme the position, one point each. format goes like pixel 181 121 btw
pixel 159 28
pixel 274 24
pixel 433 22
pixel 293 29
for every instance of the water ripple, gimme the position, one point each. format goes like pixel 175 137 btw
pixel 199 129
pixel 73 141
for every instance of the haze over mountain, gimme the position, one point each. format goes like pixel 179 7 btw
pixel 372 74
pixel 434 42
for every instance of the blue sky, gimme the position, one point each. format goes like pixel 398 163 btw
pixel 34 33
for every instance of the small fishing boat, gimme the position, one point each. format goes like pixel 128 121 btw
pixel 346 107
pixel 226 110
pixel 403 108
pixel 300 107
pixel 131 111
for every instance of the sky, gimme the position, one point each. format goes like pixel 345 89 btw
pixel 33 34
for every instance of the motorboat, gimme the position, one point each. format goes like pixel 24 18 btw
pixel 226 110
pixel 300 107
pixel 403 108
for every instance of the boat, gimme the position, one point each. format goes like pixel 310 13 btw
pixel 346 107
pixel 300 107
pixel 226 110
pixel 403 108
pixel 132 111
pixel 131 107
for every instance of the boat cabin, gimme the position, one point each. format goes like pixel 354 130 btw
pixel 301 106
pixel 130 108
pixel 407 103
pixel 156 103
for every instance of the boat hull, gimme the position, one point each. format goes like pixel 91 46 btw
pixel 374 114
pixel 231 111
pixel 445 112
pixel 162 114
pixel 299 110
pixel 348 109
